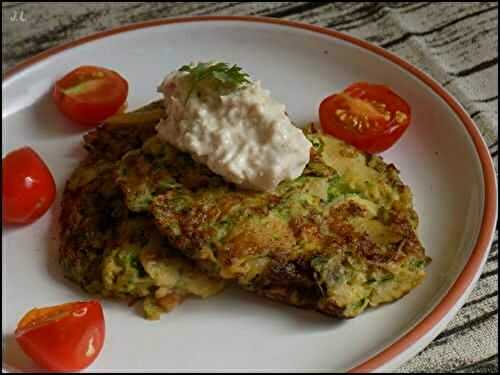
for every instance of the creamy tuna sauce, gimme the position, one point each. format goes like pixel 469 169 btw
pixel 243 135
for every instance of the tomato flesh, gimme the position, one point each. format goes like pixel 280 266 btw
pixel 368 116
pixel 28 188
pixel 90 94
pixel 66 337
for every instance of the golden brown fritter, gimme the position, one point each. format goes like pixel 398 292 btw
pixel 123 132
pixel 108 250
pixel 338 239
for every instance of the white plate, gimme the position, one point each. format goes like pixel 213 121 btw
pixel 442 157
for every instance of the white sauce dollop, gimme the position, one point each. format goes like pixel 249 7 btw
pixel 244 136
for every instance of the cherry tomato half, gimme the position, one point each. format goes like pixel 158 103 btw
pixel 368 116
pixel 28 188
pixel 66 337
pixel 90 94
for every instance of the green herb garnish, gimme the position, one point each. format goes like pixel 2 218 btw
pixel 223 75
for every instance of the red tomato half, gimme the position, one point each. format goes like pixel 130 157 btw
pixel 28 188
pixel 370 117
pixel 66 337
pixel 90 94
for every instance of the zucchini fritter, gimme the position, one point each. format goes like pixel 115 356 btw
pixel 108 250
pixel 122 133
pixel 338 239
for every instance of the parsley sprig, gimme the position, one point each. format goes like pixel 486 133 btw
pixel 224 76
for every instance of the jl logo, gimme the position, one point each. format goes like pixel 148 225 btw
pixel 18 16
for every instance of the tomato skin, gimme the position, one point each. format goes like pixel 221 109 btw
pixel 66 337
pixel 379 127
pixel 90 94
pixel 28 188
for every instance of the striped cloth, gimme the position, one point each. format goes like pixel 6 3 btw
pixel 456 43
